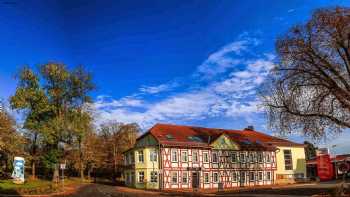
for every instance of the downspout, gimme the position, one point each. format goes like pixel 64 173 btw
pixel 160 167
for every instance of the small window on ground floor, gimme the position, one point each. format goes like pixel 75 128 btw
pixel 184 177
pixel 154 177
pixel 260 176
pixel 141 177
pixel 174 177
pixel 268 176
pixel 234 176
pixel 215 177
pixel 251 176
pixel 206 177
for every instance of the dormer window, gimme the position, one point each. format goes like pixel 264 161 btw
pixel 169 137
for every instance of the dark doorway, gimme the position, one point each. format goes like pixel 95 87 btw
pixel 195 179
pixel 242 179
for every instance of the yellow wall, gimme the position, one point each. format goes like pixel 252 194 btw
pixel 299 163
pixel 147 167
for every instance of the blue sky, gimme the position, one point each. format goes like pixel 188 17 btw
pixel 184 62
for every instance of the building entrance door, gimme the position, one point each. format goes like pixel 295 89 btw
pixel 195 179
pixel 242 179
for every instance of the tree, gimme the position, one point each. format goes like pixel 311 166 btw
pixel 31 97
pixel 11 143
pixel 310 150
pixel 118 137
pixel 53 100
pixel 310 87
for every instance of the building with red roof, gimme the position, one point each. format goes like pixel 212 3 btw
pixel 176 156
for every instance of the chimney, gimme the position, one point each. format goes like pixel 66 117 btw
pixel 250 128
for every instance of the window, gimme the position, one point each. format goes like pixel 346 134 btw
pixel 233 158
pixel 215 177
pixel 268 157
pixel 251 157
pixel 153 156
pixel 260 157
pixel 140 156
pixel 184 177
pixel 195 156
pixel 215 157
pixel 251 176
pixel 174 155
pixel 206 177
pixel 234 177
pixel 184 156
pixel 154 177
pixel 260 176
pixel 242 157
pixel 268 175
pixel 174 177
pixel 141 177
pixel 288 162
pixel 205 157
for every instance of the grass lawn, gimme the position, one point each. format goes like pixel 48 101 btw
pixel 38 186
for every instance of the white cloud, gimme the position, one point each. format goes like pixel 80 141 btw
pixel 225 58
pixel 338 144
pixel 159 88
pixel 234 95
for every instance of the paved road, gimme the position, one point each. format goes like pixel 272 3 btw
pixel 99 190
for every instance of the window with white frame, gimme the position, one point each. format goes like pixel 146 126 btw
pixel 140 153
pixel 242 157
pixel 206 177
pixel 260 176
pixel 215 157
pixel 184 177
pixel 233 157
pixel 215 177
pixel 195 156
pixel 288 162
pixel 141 176
pixel 234 176
pixel 153 156
pixel 174 177
pixel 268 176
pixel 205 157
pixel 251 157
pixel 174 155
pixel 184 156
pixel 268 157
pixel 154 177
pixel 251 176
pixel 260 157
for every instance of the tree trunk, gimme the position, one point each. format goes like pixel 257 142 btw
pixel 81 165
pixel 56 174
pixel 89 173
pixel 33 170
pixel 82 171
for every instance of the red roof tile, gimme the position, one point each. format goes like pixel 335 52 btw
pixel 179 135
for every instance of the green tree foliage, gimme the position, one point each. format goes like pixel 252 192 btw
pixel 54 101
pixel 11 143
pixel 310 150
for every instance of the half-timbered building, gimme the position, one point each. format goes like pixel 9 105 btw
pixel 174 157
